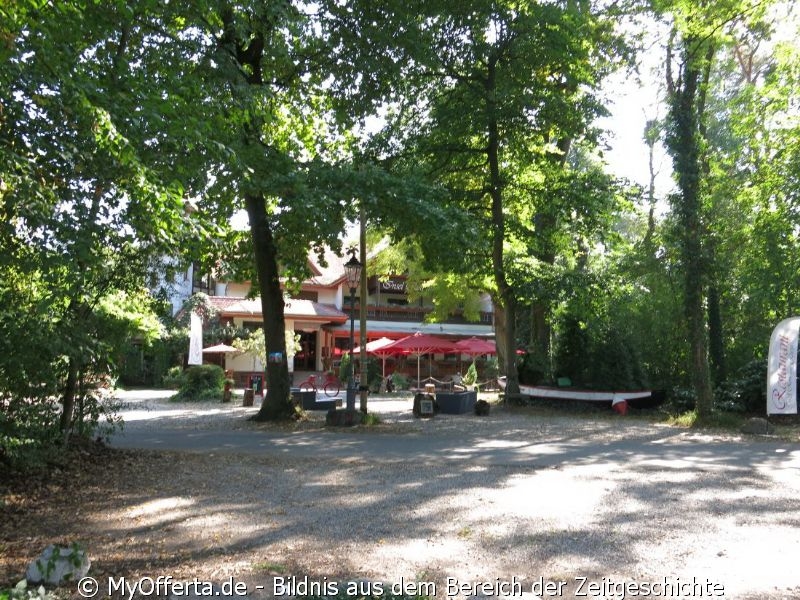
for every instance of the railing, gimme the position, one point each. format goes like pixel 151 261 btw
pixel 410 313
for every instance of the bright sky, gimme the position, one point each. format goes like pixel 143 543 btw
pixel 633 100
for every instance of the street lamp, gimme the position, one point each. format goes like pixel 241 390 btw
pixel 352 271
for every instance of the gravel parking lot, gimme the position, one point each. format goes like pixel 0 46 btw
pixel 610 506
pixel 588 505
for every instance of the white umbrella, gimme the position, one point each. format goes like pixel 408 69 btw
pixel 220 349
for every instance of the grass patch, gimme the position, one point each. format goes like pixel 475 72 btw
pixel 269 567
pixel 371 420
pixel 716 420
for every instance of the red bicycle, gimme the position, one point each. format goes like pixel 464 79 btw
pixel 330 386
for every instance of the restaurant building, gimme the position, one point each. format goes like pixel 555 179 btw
pixel 320 314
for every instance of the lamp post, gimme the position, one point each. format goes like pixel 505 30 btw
pixel 352 270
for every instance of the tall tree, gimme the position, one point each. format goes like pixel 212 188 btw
pixel 494 93
pixel 83 218
pixel 699 32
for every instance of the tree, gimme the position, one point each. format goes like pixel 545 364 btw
pixel 82 217
pixel 493 96
pixel 698 34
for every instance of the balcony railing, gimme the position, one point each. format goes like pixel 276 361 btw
pixel 410 314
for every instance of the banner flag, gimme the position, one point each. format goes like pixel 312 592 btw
pixel 196 340
pixel 782 368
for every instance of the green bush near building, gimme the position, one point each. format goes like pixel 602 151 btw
pixel 201 383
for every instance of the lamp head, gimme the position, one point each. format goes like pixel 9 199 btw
pixel 352 270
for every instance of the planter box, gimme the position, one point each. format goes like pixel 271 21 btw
pixel 307 400
pixel 456 403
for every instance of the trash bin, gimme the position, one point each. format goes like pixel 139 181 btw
pixel 249 396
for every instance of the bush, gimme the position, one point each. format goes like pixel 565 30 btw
pixel 747 392
pixel 400 381
pixel 374 377
pixel 681 400
pixel 572 351
pixel 21 591
pixel 203 382
pixel 615 363
pixel 29 434
pixel 492 369
pixel 345 367
pixel 471 376
pixel 173 378
pixel 532 368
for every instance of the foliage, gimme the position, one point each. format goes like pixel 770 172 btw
pixel 614 362
pixel 471 376
pixel 400 381
pixel 201 383
pixel 345 367
pixel 174 378
pixel 534 368
pixel 21 591
pixel 491 369
pixel 746 392
pixel 572 352
pixel 374 377
pixel 29 433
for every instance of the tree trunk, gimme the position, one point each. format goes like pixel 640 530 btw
pixel 684 144
pixel 277 401
pixel 716 341
pixel 505 293
pixel 540 328
pixel 68 401
pixel 500 334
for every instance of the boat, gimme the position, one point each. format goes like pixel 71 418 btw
pixel 619 400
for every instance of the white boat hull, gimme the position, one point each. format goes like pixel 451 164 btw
pixel 614 397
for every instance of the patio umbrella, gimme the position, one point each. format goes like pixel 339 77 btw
pixel 419 344
pixel 220 349
pixel 376 347
pixel 476 347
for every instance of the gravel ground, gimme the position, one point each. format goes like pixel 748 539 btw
pixel 715 513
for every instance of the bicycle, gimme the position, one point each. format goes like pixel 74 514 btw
pixel 330 386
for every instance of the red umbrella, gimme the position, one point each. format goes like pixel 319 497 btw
pixel 419 344
pixel 376 347
pixel 476 347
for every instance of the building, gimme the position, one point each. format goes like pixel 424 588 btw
pixel 320 314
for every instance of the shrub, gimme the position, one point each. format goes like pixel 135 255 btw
pixel 532 368
pixel 21 591
pixel 492 369
pixel 374 377
pixel 681 400
pixel 746 393
pixel 400 381
pixel 471 376
pixel 173 378
pixel 203 382
pixel 615 363
pixel 345 367
pixel 572 351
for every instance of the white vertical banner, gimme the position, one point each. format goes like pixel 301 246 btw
pixel 782 368
pixel 196 340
